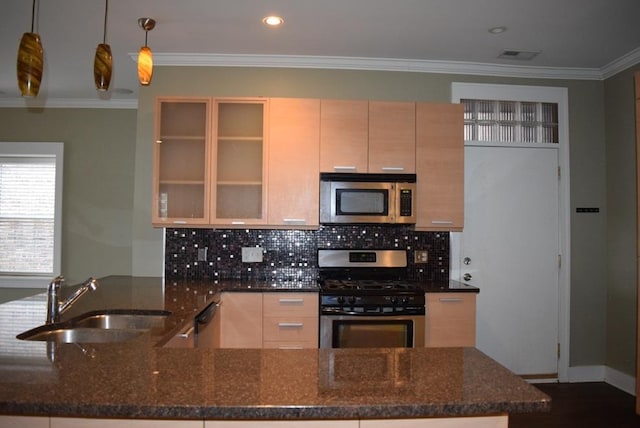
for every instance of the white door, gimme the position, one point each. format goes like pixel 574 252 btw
pixel 511 244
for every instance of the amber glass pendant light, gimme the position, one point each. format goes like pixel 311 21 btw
pixel 103 61
pixel 145 56
pixel 30 65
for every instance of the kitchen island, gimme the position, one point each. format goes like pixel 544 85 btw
pixel 139 379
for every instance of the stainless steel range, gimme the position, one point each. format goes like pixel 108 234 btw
pixel 366 300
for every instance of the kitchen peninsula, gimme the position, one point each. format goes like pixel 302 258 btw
pixel 137 379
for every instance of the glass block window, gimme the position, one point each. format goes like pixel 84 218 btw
pixel 510 121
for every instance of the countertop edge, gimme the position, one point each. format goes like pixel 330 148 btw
pixel 337 412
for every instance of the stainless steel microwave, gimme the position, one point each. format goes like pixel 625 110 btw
pixel 367 198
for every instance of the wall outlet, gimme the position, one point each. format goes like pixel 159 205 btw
pixel 202 254
pixel 420 256
pixel 251 254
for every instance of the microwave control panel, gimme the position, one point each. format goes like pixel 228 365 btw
pixel 406 197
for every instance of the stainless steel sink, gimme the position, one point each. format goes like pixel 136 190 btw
pixel 96 327
pixel 122 321
pixel 80 335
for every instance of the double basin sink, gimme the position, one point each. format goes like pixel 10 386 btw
pixel 99 327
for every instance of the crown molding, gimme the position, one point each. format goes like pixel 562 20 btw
pixel 19 102
pixel 621 64
pixel 373 64
pixel 337 63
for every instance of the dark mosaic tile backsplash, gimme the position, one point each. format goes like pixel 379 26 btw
pixel 290 255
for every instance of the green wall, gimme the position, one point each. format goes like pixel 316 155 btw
pixel 621 221
pixel 99 149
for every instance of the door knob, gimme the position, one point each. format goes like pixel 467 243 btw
pixel 466 261
pixel 467 277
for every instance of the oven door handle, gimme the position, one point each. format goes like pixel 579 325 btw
pixel 336 311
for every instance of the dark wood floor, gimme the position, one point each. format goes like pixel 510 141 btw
pixel 583 405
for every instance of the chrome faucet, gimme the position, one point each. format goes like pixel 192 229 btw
pixel 55 307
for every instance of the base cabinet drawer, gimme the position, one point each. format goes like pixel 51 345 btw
pixel 450 319
pixel 290 329
pixel 279 304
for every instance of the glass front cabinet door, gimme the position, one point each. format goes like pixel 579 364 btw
pixel 239 164
pixel 181 171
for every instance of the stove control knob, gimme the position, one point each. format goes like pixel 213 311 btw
pixel 394 300
pixel 352 300
pixel 340 300
pixel 405 300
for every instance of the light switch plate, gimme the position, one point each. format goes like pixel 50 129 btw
pixel 251 254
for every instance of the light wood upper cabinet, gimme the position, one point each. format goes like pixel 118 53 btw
pixel 294 144
pixel 181 187
pixel 209 162
pixel 239 162
pixel 367 136
pixel 440 167
pixel 243 162
pixel 344 136
pixel 392 137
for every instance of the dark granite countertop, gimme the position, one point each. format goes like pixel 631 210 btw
pixel 139 379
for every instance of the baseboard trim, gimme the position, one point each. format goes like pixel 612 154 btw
pixel 606 374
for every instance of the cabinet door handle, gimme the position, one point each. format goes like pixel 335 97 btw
pixel 393 168
pixel 187 333
pixel 441 222
pixel 289 301
pixel 237 222
pixel 290 324
pixel 344 168
pixel 179 222
pixel 290 347
pixel 451 299
pixel 294 220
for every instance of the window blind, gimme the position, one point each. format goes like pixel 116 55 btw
pixel 27 211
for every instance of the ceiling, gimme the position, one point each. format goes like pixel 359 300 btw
pixel 576 38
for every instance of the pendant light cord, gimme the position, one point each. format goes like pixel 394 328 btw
pixel 33 14
pixel 106 11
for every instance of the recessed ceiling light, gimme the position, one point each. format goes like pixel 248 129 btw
pixel 273 21
pixel 497 30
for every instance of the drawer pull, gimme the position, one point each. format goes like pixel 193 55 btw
pixel 187 333
pixel 290 347
pixel 393 168
pixel 451 299
pixel 290 324
pixel 344 168
pixel 294 220
pixel 290 301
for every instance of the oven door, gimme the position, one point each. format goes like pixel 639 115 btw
pixel 348 331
